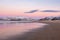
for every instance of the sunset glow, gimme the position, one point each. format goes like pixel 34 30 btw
pixel 18 7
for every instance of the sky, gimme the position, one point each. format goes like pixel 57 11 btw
pixel 30 8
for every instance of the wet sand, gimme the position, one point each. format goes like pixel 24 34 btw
pixel 49 32
pixel 12 31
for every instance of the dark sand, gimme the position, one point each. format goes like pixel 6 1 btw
pixel 49 32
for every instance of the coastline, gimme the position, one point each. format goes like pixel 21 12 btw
pixel 49 32
pixel 13 30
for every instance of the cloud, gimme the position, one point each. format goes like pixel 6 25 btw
pixel 32 11
pixel 50 11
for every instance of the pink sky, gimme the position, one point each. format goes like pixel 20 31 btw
pixel 18 7
pixel 21 13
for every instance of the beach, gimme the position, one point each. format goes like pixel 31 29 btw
pixel 49 32
pixel 8 30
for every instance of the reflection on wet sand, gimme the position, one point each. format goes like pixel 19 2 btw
pixel 8 30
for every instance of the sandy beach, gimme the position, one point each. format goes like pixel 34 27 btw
pixel 49 32
pixel 15 29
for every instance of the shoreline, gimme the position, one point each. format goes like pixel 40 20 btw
pixel 18 29
pixel 49 32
